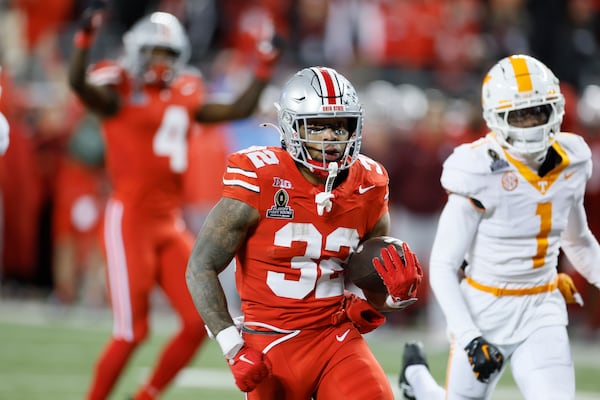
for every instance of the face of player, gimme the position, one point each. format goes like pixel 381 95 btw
pixel 326 138
pixel 159 65
pixel 529 117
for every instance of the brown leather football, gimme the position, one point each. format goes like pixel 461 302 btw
pixel 360 265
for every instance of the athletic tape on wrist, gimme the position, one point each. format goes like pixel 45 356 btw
pixel 230 341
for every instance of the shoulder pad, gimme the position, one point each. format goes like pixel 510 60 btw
pixel 575 146
pixel 373 172
pixel 257 158
pixel 482 156
pixel 577 150
pixel 466 170
pixel 247 168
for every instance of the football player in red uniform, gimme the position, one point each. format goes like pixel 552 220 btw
pixel 291 216
pixel 147 102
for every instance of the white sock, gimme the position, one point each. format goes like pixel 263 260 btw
pixel 424 386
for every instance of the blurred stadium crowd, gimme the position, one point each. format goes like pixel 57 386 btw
pixel 418 65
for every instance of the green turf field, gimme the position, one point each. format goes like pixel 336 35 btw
pixel 48 353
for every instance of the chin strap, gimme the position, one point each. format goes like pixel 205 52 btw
pixel 323 199
pixel 316 167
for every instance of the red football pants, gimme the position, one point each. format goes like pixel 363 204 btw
pixel 330 364
pixel 143 253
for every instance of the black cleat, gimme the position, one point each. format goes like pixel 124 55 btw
pixel 413 355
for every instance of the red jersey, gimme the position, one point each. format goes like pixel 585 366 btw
pixel 289 272
pixel 147 140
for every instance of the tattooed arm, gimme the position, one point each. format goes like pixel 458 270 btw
pixel 222 234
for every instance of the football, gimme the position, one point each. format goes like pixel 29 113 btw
pixel 360 267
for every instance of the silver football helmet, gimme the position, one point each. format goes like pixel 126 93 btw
pixel 516 83
pixel 318 92
pixel 157 30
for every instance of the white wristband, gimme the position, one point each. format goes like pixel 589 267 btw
pixel 230 341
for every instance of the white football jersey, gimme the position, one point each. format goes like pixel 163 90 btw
pixel 518 238
pixel 519 235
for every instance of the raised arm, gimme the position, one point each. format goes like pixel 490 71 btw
pixel 102 100
pixel 241 108
pixel 267 53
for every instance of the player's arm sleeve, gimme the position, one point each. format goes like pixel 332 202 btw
pixel 580 245
pixel 377 217
pixel 456 229
pixel 241 181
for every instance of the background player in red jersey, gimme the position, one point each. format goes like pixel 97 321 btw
pixel 147 102
pixel 292 216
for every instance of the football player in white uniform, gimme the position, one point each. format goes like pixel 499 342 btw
pixel 515 198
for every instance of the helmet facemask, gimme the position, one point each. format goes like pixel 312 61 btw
pixel 520 83
pixel 305 102
pixel 341 149
pixel 158 65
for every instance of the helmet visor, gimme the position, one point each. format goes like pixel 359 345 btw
pixel 529 117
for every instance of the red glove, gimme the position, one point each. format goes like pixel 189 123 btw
pixel 259 40
pixel 268 53
pixel 249 367
pixel 400 278
pixel 90 21
pixel 362 314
